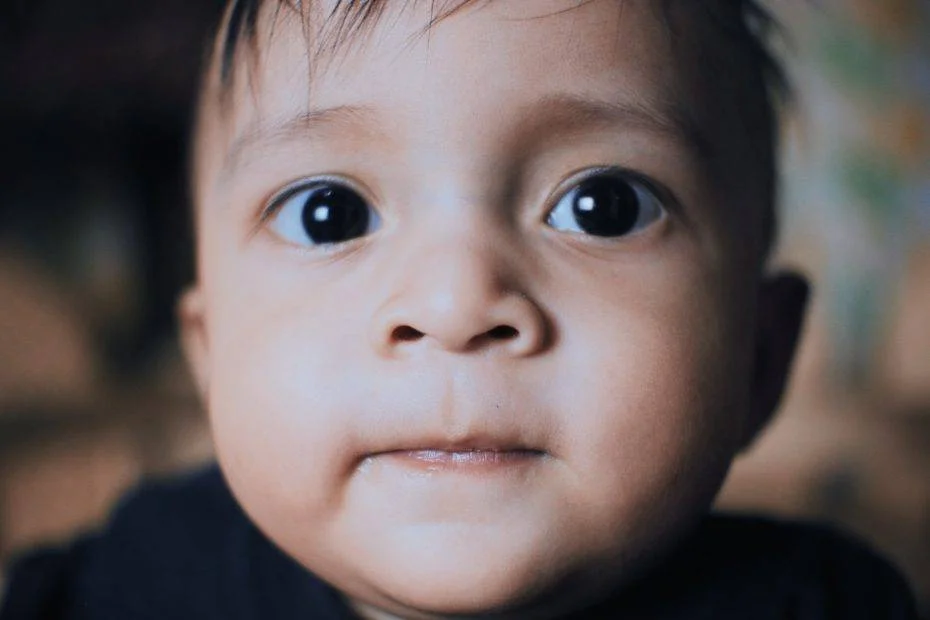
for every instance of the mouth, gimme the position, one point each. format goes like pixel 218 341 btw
pixel 464 457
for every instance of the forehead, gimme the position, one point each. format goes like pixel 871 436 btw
pixel 330 28
pixel 482 61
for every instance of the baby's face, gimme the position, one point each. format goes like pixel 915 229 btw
pixel 473 323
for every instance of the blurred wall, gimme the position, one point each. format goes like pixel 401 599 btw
pixel 94 247
pixel 852 443
pixel 95 105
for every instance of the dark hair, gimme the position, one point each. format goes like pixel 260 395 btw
pixel 746 24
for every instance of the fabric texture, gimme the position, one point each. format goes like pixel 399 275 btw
pixel 185 550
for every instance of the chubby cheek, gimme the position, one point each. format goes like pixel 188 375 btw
pixel 282 374
pixel 653 400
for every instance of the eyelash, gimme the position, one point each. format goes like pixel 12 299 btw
pixel 620 172
pixel 279 198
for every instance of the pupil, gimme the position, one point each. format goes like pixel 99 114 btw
pixel 334 214
pixel 606 207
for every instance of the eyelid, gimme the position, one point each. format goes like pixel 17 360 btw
pixel 666 197
pixel 271 205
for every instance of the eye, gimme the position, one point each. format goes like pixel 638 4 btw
pixel 321 213
pixel 607 205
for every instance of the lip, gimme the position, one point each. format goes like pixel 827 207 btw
pixel 473 453
pixel 459 459
pixel 470 451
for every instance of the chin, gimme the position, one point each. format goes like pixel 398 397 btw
pixel 525 572
pixel 445 597
pixel 513 592
pixel 491 593
pixel 467 574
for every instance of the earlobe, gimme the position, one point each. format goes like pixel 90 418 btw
pixel 193 333
pixel 782 307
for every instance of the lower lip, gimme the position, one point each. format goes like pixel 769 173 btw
pixel 465 461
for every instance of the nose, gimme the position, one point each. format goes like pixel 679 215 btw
pixel 461 298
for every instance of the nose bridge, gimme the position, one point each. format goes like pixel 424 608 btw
pixel 456 248
pixel 453 284
pixel 464 270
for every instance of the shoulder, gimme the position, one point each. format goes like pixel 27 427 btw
pixel 799 570
pixel 195 512
pixel 169 532
pixel 806 548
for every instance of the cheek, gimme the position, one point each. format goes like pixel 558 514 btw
pixel 282 385
pixel 653 398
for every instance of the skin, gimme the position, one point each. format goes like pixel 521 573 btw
pixel 634 367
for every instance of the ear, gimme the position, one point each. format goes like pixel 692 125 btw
pixel 782 306
pixel 191 314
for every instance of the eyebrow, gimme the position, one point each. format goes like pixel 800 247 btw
pixel 312 124
pixel 563 112
pixel 570 112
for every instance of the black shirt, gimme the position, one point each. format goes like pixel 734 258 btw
pixel 184 550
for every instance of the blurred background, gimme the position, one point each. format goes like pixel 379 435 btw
pixel 95 104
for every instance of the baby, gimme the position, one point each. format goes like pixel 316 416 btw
pixel 482 317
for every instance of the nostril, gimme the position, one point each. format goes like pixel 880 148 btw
pixel 503 332
pixel 405 333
